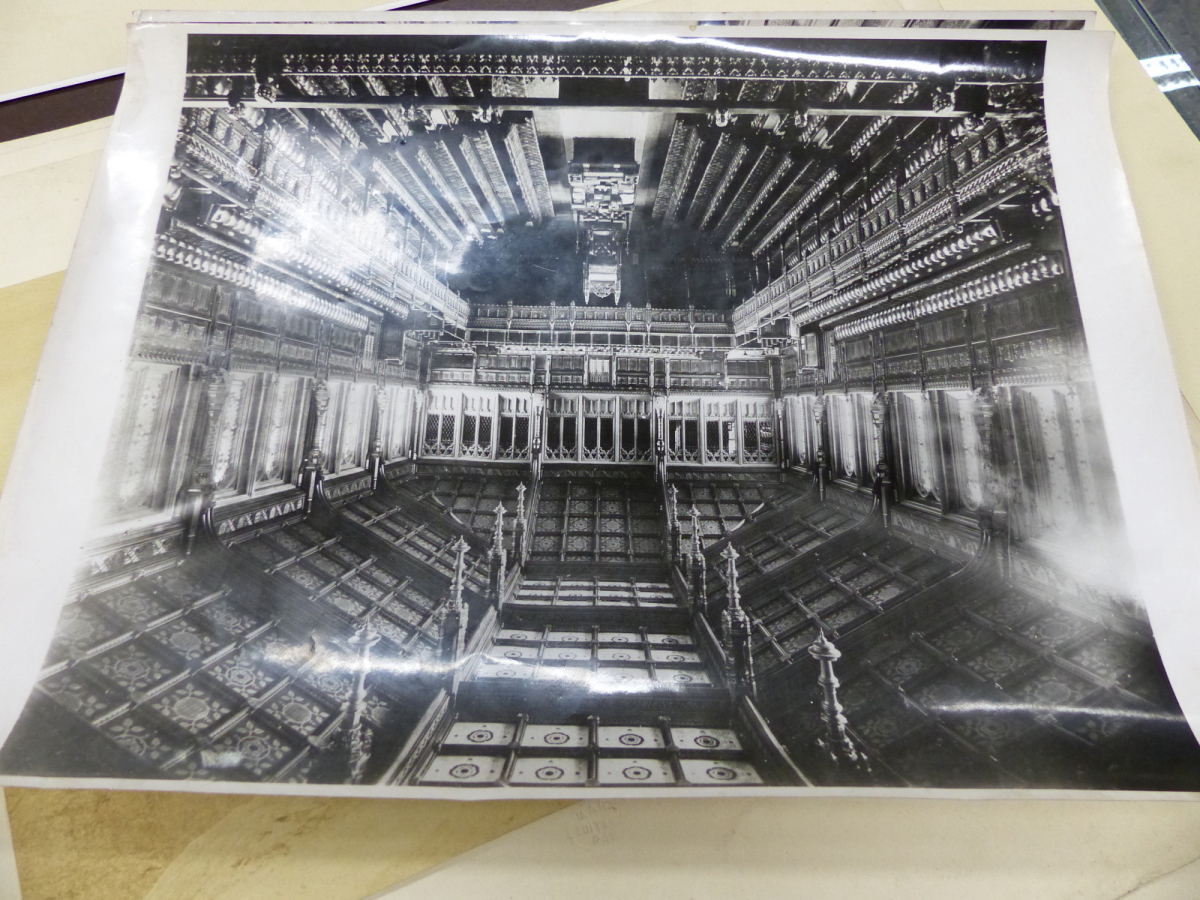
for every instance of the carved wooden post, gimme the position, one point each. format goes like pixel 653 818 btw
pixel 782 449
pixel 310 471
pixel 673 524
pixel 698 573
pixel 198 497
pixel 497 560
pixel 375 467
pixel 736 631
pixel 519 526
pixel 659 418
pixel 416 442
pixel 837 742
pixel 821 462
pixel 360 735
pixel 685 557
pixel 454 616
pixel 537 417
pixel 883 477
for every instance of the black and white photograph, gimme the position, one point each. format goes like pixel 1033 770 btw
pixel 528 412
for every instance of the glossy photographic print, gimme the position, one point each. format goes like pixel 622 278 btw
pixel 534 412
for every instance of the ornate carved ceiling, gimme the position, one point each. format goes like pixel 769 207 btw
pixel 728 150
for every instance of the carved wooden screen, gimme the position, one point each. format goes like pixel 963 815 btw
pixel 285 405
pixel 350 410
pixel 478 419
pixel 720 431
pixel 633 371
pixel 441 411
pixel 513 440
pixel 142 450
pixel 636 439
pixel 920 470
pixel 233 437
pixel 566 370
pixel 683 430
pixel 966 452
pixel 562 438
pixel 799 429
pixel 1049 456
pixel 847 428
pixel 396 433
pixel 599 370
pixel 758 431
pixel 599 428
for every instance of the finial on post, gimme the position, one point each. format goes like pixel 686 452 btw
pixel 698 573
pixel 310 477
pixel 519 525
pixel 198 498
pixel 820 460
pixel 883 481
pixel 736 632
pixel 460 570
pixel 498 530
pixel 497 560
pixel 454 616
pixel 733 592
pixel 375 465
pixel 311 473
pixel 676 548
pixel 837 742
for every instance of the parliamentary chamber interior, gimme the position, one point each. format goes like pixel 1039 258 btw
pixel 671 414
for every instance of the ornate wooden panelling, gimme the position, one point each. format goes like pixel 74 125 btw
pixel 723 504
pixel 776 536
pixel 1002 686
pixel 415 534
pixel 580 520
pixel 471 499
pixel 195 671
pixel 834 589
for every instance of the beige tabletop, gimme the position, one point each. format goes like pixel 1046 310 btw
pixel 108 845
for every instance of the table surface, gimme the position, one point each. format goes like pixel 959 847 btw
pixel 135 845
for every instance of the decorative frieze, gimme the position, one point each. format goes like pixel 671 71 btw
pixel 336 490
pixel 659 61
pixel 1014 277
pixel 285 506
pixel 206 262
pixel 131 556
